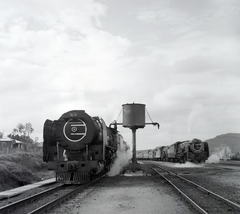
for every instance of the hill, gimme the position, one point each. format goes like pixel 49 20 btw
pixel 230 140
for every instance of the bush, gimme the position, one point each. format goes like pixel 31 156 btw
pixel 21 168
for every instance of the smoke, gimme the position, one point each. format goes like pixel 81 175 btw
pixel 188 165
pixel 194 117
pixel 123 158
pixel 214 158
pixel 190 121
pixel 219 154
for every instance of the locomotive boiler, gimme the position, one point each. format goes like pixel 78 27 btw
pixel 79 147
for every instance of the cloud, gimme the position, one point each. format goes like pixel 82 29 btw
pixel 187 16
pixel 180 59
pixel 177 94
pixel 197 64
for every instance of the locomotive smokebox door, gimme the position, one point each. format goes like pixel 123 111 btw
pixel 134 115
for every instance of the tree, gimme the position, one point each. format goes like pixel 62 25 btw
pixel 18 130
pixel 29 129
pixel 22 132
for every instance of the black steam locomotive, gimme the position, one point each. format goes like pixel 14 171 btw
pixel 80 147
pixel 195 151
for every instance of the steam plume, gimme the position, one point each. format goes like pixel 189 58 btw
pixel 123 158
pixel 220 154
pixel 188 165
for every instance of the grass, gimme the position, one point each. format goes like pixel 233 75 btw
pixel 21 168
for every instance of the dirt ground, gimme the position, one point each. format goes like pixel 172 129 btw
pixel 222 178
pixel 133 193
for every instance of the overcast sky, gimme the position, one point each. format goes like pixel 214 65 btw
pixel 179 58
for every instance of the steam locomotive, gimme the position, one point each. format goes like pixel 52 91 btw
pixel 195 151
pixel 80 147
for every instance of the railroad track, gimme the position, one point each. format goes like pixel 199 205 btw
pixel 45 200
pixel 202 199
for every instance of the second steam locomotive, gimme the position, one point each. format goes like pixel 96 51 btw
pixel 195 151
pixel 80 147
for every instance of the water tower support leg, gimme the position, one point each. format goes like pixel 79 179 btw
pixel 134 161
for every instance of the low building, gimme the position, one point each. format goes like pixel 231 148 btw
pixel 8 144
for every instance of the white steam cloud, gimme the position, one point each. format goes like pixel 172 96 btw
pixel 123 158
pixel 188 165
pixel 220 154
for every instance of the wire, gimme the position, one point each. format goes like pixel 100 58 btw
pixel 119 114
pixel 148 115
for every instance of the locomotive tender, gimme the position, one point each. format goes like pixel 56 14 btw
pixel 80 147
pixel 195 151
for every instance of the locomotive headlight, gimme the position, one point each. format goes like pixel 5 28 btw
pixel 75 130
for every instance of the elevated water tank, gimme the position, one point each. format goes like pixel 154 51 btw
pixel 134 115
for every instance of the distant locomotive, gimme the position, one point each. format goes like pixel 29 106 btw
pixel 80 147
pixel 194 151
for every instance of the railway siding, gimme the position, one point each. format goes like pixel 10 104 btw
pixel 206 177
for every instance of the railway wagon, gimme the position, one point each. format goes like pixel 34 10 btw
pixel 145 155
pixel 159 153
pixel 171 152
pixel 79 147
pixel 151 154
pixel 163 151
pixel 139 155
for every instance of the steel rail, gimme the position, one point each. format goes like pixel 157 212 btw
pixel 9 207
pixel 195 205
pixel 63 198
pixel 231 203
pixel 225 200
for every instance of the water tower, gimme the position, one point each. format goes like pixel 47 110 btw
pixel 134 118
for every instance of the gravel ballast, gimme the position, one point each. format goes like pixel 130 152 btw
pixel 127 194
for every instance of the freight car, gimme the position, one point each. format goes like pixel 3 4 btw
pixel 145 154
pixel 160 153
pixel 80 147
